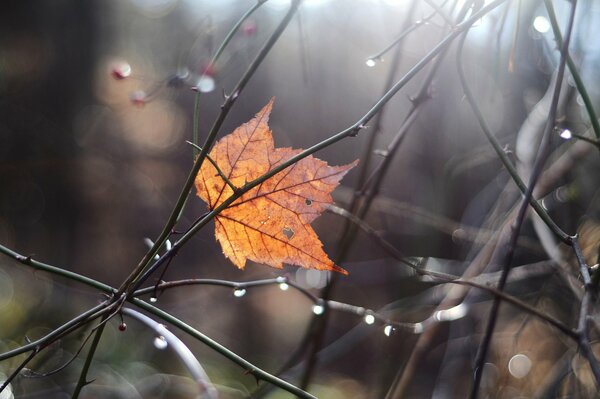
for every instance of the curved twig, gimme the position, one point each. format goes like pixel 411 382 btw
pixel 181 350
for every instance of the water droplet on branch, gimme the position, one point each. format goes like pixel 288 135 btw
pixel 566 134
pixel 121 70
pixel 160 342
pixel 318 309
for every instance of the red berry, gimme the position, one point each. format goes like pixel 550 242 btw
pixel 138 98
pixel 121 71
pixel 122 326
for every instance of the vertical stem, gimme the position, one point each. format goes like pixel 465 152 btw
pixel 88 360
pixel 212 64
pixel 536 172
pixel 587 101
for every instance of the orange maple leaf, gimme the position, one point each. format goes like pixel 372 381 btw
pixel 270 223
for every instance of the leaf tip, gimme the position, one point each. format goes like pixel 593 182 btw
pixel 338 269
pixel 266 110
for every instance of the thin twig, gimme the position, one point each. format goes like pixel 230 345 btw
pixel 36 374
pixel 213 63
pixel 528 197
pixel 181 350
pixel 587 101
pixel 447 278
pixel 88 315
pixel 584 312
pixel 105 307
pixel 216 166
pixel 20 367
pixel 29 261
pixel 249 367
pixel 403 34
pixel 210 139
pixel 319 326
pixel 82 381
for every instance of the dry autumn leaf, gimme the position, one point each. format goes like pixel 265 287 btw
pixel 269 224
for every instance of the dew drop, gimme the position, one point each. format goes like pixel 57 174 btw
pixel 371 62
pixel 541 24
pixel 121 71
pixel 369 319
pixel 160 342
pixel 566 134
pixel 205 84
pixel 281 279
pixel 239 292
pixel 284 286
pixel 418 328
pixel 318 309
pixel 153 299
pixel 389 330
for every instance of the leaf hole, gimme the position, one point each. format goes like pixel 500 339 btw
pixel 308 202
pixel 288 233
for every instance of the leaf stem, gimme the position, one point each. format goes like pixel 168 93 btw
pixel 216 166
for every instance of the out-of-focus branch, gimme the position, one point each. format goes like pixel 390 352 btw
pixel 181 350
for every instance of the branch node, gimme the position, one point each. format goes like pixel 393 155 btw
pixel 24 259
pixel 356 129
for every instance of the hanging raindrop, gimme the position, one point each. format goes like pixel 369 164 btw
pixel 369 319
pixel 389 330
pixel 160 342
pixel 121 70
pixel 566 134
pixel 318 309
pixel 205 84
pixel 239 292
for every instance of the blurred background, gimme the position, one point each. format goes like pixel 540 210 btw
pixel 96 107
